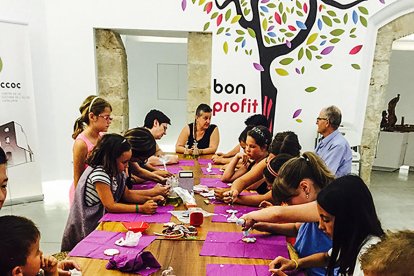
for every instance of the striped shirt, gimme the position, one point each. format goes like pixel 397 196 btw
pixel 98 174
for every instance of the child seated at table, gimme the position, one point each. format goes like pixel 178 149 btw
pixel 20 253
pixel 392 256
pixel 257 143
pixel 102 189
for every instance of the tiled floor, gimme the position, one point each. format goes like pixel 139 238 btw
pixel 393 195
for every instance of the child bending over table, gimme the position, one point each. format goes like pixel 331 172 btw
pixel 102 189
pixel 20 253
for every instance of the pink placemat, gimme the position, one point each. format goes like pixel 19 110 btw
pixel 230 244
pixel 222 215
pixel 213 171
pixel 213 183
pixel 243 270
pixel 172 169
pixel 94 245
pixel 187 162
pixel 203 161
pixel 144 186
pixel 161 216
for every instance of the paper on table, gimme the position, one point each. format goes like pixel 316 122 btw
pixel 230 244
pixel 161 216
pixel 213 182
pixel 212 172
pixel 243 270
pixel 222 214
pixel 98 241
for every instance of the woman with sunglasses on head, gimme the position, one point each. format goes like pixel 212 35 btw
pixel 95 119
pixel 298 182
pixel 347 215
pixel 201 131
pixel 102 188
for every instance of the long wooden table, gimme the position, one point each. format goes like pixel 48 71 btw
pixel 181 255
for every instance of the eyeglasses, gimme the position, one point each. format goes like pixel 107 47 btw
pixel 106 117
pixel 319 118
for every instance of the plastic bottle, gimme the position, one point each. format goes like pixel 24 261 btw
pixel 186 152
pixel 196 151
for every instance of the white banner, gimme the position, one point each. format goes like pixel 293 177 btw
pixel 18 136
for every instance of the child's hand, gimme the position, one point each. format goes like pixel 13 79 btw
pixel 161 190
pixel 219 193
pixel 49 265
pixel 265 204
pixel 248 222
pixel 149 207
pixel 280 264
pixel 65 266
pixel 163 173
pixel 159 199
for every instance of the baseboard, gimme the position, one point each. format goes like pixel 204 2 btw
pixel 23 200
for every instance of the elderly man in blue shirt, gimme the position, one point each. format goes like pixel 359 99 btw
pixel 333 148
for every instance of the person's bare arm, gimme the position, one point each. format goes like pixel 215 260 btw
pixel 231 173
pixel 80 152
pixel 182 139
pixel 253 200
pixel 214 143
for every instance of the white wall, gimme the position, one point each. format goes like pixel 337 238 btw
pixel 143 60
pixel 64 68
pixel 401 81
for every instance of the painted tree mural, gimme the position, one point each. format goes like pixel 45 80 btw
pixel 285 32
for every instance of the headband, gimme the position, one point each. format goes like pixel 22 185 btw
pixel 270 169
pixel 90 106
pixel 258 131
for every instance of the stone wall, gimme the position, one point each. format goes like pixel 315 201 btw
pixel 112 75
pixel 199 71
pixel 394 30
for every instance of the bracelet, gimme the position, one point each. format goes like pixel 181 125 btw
pixel 296 264
pixel 136 208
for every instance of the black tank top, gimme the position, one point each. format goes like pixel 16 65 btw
pixel 204 142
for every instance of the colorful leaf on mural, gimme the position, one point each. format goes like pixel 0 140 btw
pixel 296 113
pixel 226 47
pixel 264 1
pixel 281 72
pixel 320 25
pixel 288 44
pixel 363 10
pixel 278 18
pixel 206 26
pixel 382 1
pixel 302 70
pixel 355 50
pixel 345 18
pixel 322 43
pixel 258 66
pixel 356 66
pixel 300 54
pixel 355 17
pixel 271 34
pixel 308 54
pixel 334 40
pixel 264 8
pixel 201 2
pixel 297 71
pixel 270 28
pixel 286 61
pixel 214 15
pixel 337 32
pixel 292 28
pixel 239 39
pixel 235 19
pixel 312 38
pixel 301 25
pixel 208 7
pixel 184 4
pixel 310 89
pixel 331 13
pixel 220 30
pixel 264 24
pixel 240 32
pixel 320 7
pixel 364 21
pixel 313 48
pixel 299 120
pixel 243 43
pixel 327 50
pixel 227 15
pixel 305 8
pixel 326 66
pixel 219 19
pixel 251 32
pixel 327 20
pixel 284 18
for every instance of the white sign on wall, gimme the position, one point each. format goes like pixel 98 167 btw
pixel 18 136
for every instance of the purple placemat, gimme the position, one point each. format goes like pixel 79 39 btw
pixel 187 162
pixel 213 171
pixel 213 183
pixel 203 161
pixel 222 215
pixel 230 244
pixel 144 186
pixel 172 169
pixel 161 216
pixel 243 270
pixel 239 270
pixel 94 245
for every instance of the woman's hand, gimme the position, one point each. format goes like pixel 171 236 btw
pixel 149 207
pixel 280 264
pixel 249 222
pixel 219 193
pixel 265 204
